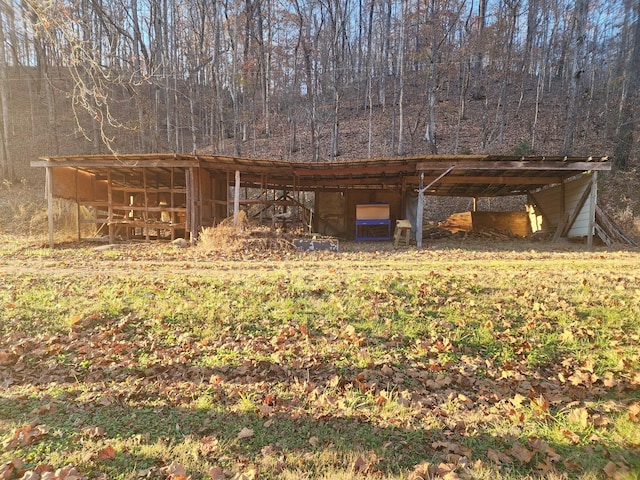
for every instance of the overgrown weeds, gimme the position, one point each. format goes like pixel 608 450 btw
pixel 245 236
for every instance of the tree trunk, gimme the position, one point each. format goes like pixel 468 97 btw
pixel 577 69
pixel 384 65
pixel 6 164
pixel 401 47
pixel 629 102
pixel 532 27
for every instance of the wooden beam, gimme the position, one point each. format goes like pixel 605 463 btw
pixel 449 180
pixel 189 231
pixel 592 208
pixel 114 163
pixel 514 165
pixel 78 212
pixel 355 170
pixel 236 200
pixel 112 227
pixel 420 212
pixel 49 192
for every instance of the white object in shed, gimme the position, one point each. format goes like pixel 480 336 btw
pixel 569 205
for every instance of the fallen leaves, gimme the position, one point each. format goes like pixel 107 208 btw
pixel 27 435
pixel 363 467
pixel 245 433
pixel 521 453
pixel 174 471
pixel 15 469
pixel 308 356
pixel 579 416
pixel 106 453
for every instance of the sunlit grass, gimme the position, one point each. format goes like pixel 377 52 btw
pixel 390 359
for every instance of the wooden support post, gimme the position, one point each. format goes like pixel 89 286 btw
pixel 197 203
pixel 146 204
pixel 49 192
pixel 228 186
pixel 420 212
pixel 263 196
pixel 592 207
pixel 188 178
pixel 112 227
pixel 78 213
pixel 172 214
pixel 236 200
pixel 421 190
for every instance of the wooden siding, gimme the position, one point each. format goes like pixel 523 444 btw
pixel 561 200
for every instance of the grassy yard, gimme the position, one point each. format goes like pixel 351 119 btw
pixel 462 360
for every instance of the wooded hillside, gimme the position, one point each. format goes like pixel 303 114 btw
pixel 319 79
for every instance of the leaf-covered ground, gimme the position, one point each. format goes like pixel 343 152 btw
pixel 462 360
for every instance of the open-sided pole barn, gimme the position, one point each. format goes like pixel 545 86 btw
pixel 168 195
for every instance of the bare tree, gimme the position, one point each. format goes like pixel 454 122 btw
pixel 580 17
pixel 629 101
pixel 306 43
pixel 6 164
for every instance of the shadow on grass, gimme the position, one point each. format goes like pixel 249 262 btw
pixel 149 432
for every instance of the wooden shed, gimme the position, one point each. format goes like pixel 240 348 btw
pixel 156 196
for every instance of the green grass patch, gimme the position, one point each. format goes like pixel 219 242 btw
pixel 136 361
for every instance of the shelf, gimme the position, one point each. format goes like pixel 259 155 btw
pixel 178 190
pixel 139 208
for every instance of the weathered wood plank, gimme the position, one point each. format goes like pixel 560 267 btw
pixel 513 165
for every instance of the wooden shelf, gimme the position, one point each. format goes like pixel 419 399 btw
pixel 140 208
pixel 178 190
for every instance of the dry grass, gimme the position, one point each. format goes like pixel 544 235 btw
pixel 247 236
pixel 23 212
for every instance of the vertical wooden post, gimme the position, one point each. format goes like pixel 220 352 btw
pixel 197 203
pixel 188 178
pixel 146 204
pixel 592 207
pixel 112 227
pixel 172 213
pixel 78 212
pixel 420 213
pixel 236 200
pixel 403 198
pixel 49 192
pixel 228 185
pixel 263 196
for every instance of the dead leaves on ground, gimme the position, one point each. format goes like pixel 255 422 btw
pixel 27 435
pixel 432 382
pixel 15 469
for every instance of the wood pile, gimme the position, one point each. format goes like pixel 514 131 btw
pixel 435 233
pixel 608 231
pixel 481 225
pixel 458 222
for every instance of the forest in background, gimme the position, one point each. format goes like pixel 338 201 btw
pixel 320 80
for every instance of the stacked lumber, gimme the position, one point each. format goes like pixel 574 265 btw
pixel 513 224
pixel 609 232
pixel 458 222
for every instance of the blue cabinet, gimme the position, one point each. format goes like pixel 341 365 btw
pixel 373 222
